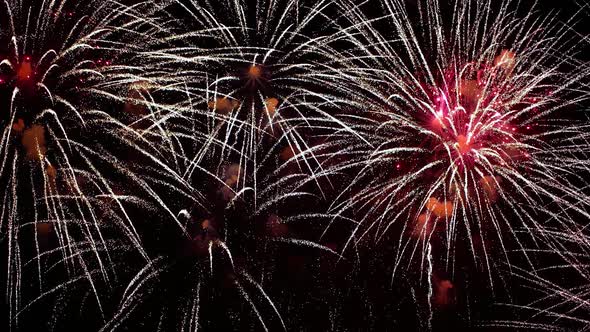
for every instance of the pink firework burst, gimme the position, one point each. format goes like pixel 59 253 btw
pixel 476 130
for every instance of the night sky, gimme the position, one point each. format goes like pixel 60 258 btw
pixel 294 165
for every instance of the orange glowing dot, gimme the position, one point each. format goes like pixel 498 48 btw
pixel 271 105
pixel 422 219
pixel 34 142
pixel 224 105
pixel 463 144
pixel 51 172
pixel 431 204
pixel 505 60
pixel 18 126
pixel 254 72
pixel 443 209
pixel 438 208
pixel 470 90
pixel 205 224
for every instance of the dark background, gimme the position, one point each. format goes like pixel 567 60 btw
pixel 314 292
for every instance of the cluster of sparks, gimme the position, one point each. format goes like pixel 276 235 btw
pixel 208 128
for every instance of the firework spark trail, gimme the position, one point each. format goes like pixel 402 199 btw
pixel 252 81
pixel 57 78
pixel 429 277
pixel 514 77
pixel 241 126
pixel 211 249
pixel 561 303
pixel 249 94
pixel 466 126
pixel 473 125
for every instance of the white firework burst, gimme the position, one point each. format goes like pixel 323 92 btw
pixel 64 77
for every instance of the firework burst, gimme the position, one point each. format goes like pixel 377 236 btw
pixel 252 74
pixel 249 85
pixel 175 148
pixel 227 250
pixel 473 115
pixel 60 90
